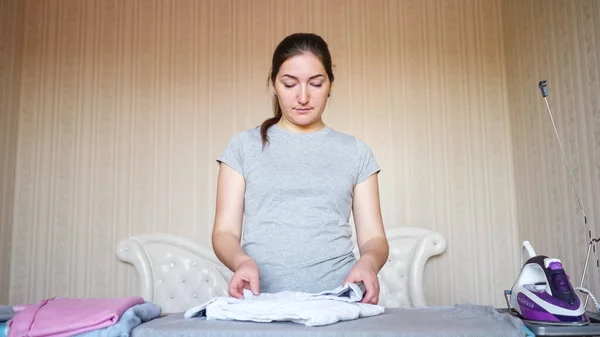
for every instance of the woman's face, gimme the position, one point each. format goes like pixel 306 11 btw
pixel 302 87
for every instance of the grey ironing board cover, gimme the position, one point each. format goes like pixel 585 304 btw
pixel 449 321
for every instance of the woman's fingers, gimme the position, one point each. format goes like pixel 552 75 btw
pixel 236 287
pixel 371 295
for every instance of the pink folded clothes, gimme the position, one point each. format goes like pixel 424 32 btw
pixel 62 317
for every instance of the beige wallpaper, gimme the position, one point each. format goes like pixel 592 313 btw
pixel 126 104
pixel 557 41
pixel 10 40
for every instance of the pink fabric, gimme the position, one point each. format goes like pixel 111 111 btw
pixel 19 308
pixel 62 317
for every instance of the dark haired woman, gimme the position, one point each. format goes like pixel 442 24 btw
pixel 293 183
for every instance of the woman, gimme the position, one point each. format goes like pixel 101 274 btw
pixel 293 182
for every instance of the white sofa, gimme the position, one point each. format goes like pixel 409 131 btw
pixel 177 273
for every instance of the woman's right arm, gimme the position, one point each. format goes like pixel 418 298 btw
pixel 227 232
pixel 227 228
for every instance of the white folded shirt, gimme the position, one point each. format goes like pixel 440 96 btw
pixel 327 307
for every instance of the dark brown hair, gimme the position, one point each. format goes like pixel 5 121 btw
pixel 294 45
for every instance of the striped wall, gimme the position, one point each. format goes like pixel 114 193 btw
pixel 557 41
pixel 126 104
pixel 10 46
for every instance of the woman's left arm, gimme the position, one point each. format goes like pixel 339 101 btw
pixel 371 238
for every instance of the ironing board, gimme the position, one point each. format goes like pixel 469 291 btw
pixel 446 321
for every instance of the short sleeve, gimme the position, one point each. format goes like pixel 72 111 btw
pixel 367 165
pixel 233 154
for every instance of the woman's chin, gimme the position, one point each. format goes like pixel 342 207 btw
pixel 305 119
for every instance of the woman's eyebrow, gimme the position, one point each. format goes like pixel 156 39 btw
pixel 294 77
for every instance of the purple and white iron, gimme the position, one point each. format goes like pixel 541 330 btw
pixel 543 292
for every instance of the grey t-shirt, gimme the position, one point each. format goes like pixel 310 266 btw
pixel 297 204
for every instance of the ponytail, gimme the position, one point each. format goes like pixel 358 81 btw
pixel 270 122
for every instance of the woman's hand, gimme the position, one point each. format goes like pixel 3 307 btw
pixel 246 276
pixel 364 272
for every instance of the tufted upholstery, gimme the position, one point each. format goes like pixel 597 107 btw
pixel 174 272
pixel 177 273
pixel 401 278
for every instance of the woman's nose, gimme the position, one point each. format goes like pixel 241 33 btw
pixel 303 96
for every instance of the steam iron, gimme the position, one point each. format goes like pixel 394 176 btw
pixel 544 294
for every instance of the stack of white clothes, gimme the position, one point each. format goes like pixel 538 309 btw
pixel 327 307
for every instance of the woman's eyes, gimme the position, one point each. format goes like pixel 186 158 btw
pixel 316 85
